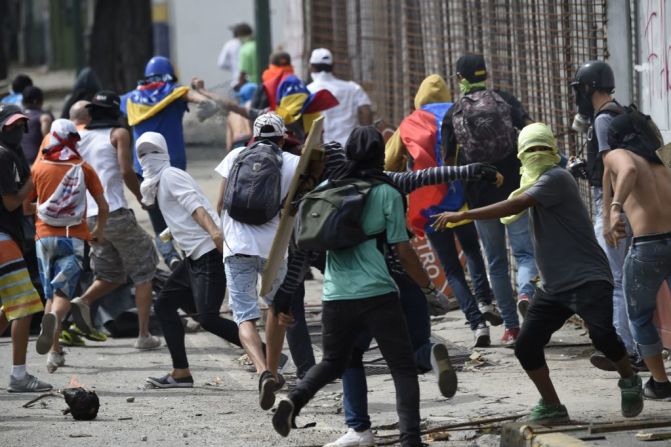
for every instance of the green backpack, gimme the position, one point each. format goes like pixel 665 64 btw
pixel 329 217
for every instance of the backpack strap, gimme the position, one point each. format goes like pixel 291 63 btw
pixel 612 107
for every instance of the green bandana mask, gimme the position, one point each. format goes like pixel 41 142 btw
pixel 465 86
pixel 534 164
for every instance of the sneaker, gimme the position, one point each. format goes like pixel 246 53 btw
pixel 55 360
pixel 267 387
pixel 169 381
pixel 94 335
pixel 523 304
pixel 442 368
pixel 631 390
pixel 482 339
pixel 68 338
pixel 637 363
pixel 280 382
pixel 284 359
pixel 545 414
pixel 47 334
pixel 147 342
pixel 29 384
pixel 657 391
pixel 81 313
pixel 490 313
pixel 354 438
pixel 283 419
pixel 601 362
pixel 510 336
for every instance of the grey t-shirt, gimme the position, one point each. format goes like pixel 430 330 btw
pixel 601 126
pixel 566 250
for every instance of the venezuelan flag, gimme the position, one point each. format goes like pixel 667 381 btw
pixel 421 135
pixel 147 100
pixel 290 99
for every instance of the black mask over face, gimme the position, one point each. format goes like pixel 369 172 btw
pixel 12 137
pixel 583 99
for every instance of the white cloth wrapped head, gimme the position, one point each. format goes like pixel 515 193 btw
pixel 152 152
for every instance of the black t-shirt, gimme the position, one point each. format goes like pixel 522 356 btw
pixel 14 172
pixel 480 194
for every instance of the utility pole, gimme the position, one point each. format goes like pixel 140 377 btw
pixel 262 28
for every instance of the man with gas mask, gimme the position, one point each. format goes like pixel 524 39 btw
pixel 593 85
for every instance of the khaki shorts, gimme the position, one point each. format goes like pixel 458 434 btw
pixel 128 251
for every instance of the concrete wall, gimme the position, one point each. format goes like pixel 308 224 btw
pixel 199 28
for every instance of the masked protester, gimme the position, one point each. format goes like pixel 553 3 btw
pixel 561 229
pixel 18 297
pixel 593 86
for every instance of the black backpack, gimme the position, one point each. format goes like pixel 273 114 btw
pixel 253 193
pixel 329 217
pixel 636 132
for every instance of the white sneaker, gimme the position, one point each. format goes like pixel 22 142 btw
pixel 354 438
pixel 490 313
pixel 482 339
pixel 147 342
pixel 54 360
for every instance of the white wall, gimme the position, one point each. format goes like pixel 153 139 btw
pixel 199 28
pixel 654 37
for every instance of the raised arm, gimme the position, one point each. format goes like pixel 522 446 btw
pixel 409 181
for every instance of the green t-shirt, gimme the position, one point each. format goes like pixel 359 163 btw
pixel 247 58
pixel 361 271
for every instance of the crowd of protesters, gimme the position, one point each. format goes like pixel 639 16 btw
pixel 475 167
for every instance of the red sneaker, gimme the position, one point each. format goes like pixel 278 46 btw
pixel 510 336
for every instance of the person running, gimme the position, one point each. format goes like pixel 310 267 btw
pixel 198 284
pixel 62 180
pixel 417 144
pixel 127 251
pixel 359 292
pixel 353 109
pixel 641 195
pixel 158 105
pixel 19 300
pixel 593 86
pixel 466 143
pixel 561 229
pixel 247 243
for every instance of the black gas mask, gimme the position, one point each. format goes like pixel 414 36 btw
pixel 583 99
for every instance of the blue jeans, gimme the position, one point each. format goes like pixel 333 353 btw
pixel 646 266
pixel 355 388
pixel 444 245
pixel 493 236
pixel 616 256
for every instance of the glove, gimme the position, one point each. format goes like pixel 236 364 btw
pixel 282 302
pixel 438 302
pixel 484 171
pixel 206 109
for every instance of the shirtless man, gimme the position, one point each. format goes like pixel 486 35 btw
pixel 641 190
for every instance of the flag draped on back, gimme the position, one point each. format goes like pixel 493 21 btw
pixel 147 100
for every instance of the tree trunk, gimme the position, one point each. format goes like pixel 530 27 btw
pixel 121 42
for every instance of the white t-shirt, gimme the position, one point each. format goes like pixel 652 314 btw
pixel 253 240
pixel 343 118
pixel 229 59
pixel 179 196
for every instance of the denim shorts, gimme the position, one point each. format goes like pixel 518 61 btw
pixel 242 274
pixel 60 264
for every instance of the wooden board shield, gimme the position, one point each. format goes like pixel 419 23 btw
pixel 287 219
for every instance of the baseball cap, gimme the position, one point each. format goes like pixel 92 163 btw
pixel 9 114
pixel 472 67
pixel 269 125
pixel 105 98
pixel 321 56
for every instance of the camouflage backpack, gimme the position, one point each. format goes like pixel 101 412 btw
pixel 483 127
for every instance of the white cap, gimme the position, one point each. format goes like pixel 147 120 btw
pixel 269 125
pixel 321 56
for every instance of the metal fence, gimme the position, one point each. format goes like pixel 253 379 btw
pixel 532 48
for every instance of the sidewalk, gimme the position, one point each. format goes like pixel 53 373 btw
pixel 223 407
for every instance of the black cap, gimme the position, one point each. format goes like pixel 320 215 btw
pixel 472 67
pixel 105 98
pixel 9 114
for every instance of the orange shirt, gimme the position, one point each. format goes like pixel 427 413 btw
pixel 47 177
